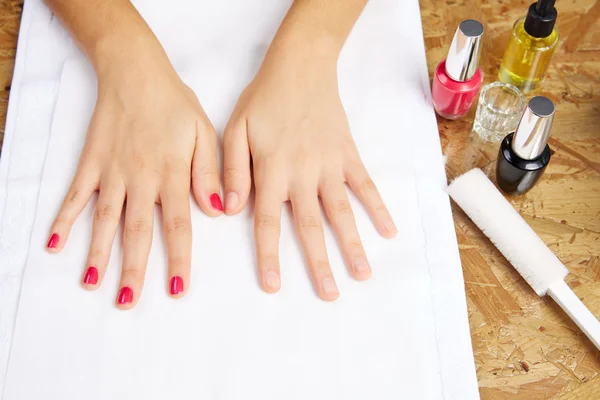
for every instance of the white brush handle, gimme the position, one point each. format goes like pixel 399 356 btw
pixel 568 301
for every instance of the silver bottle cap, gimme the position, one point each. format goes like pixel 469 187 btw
pixel 463 57
pixel 533 131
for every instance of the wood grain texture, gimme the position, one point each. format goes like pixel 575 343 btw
pixel 10 18
pixel 525 347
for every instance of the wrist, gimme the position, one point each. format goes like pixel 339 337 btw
pixel 134 54
pixel 294 51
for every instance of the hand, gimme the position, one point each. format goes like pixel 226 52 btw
pixel 291 121
pixel 146 129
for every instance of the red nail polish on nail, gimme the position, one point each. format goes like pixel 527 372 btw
pixel 176 285
pixel 125 295
pixel 53 242
pixel 91 276
pixel 215 202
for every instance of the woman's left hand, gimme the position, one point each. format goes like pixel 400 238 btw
pixel 290 121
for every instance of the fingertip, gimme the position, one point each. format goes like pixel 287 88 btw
pixel 329 290
pixel 53 245
pixel 125 298
pixel 232 200
pixel 329 297
pixel 389 230
pixel 210 203
pixel 90 280
pixel 271 282
pixel 215 203
pixel 177 287
pixel 89 287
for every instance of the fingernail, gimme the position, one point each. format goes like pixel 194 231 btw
pixel 272 280
pixel 125 295
pixel 231 201
pixel 215 202
pixel 53 242
pixel 361 265
pixel 390 227
pixel 176 285
pixel 329 286
pixel 91 276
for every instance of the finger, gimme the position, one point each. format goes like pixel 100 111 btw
pixel 364 187
pixel 178 233
pixel 339 211
pixel 137 239
pixel 310 229
pixel 205 171
pixel 236 170
pixel 267 227
pixel 104 228
pixel 84 184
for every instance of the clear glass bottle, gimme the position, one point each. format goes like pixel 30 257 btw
pixel 532 43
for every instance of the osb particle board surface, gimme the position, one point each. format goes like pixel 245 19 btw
pixel 525 347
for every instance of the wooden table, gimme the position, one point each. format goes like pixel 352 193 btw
pixel 525 347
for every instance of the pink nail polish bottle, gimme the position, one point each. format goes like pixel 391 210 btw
pixel 458 78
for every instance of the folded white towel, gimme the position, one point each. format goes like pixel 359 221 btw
pixel 403 334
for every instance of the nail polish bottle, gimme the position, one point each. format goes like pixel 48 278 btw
pixel 531 46
pixel 524 154
pixel 457 79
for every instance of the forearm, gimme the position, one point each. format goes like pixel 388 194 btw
pixel 317 28
pixel 111 32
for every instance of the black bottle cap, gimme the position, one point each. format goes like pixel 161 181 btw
pixel 541 18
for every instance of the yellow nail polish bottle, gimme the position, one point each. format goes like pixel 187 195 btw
pixel 533 41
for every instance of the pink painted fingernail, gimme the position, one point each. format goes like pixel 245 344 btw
pixel 176 285
pixel 53 242
pixel 215 202
pixel 231 201
pixel 91 276
pixel 125 295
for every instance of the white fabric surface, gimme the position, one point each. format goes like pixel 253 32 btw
pixel 404 334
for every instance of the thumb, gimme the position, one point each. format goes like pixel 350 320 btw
pixel 236 166
pixel 205 171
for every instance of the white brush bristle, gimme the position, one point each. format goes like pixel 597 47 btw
pixel 499 221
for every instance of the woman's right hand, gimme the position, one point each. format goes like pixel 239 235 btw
pixel 147 140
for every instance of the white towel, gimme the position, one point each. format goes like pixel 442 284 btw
pixel 403 334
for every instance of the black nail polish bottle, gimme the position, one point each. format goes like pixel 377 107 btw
pixel 524 154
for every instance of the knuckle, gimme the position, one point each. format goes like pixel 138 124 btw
pixel 268 261
pixel 178 262
pixel 73 195
pixel 138 161
pixel 321 267
pixel 62 220
pixel 95 253
pixel 174 165
pixel 232 174
pixel 169 168
pixel 137 227
pixel 179 225
pixel 309 222
pixel 367 185
pixel 206 170
pixel 266 221
pixel 381 208
pixel 343 207
pixel 131 274
pixel 104 213
pixel 355 247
